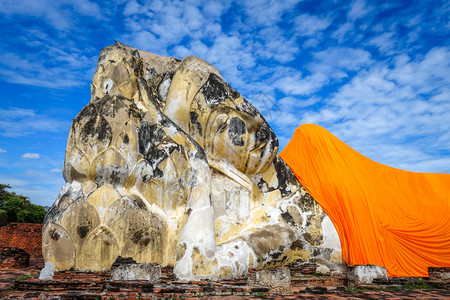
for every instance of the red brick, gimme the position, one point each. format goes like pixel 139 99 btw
pixel 25 236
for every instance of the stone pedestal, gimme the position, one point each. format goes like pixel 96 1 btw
pixel 276 280
pixel 128 269
pixel 439 273
pixel 365 274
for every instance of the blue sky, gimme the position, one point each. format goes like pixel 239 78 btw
pixel 375 74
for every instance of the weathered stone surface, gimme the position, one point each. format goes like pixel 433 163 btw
pixel 365 274
pixel 439 273
pixel 130 270
pixel 277 280
pixel 323 270
pixel 168 164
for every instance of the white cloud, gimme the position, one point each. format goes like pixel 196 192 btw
pixel 3 150
pixel 31 155
pixel 63 71
pixel 336 62
pixel 385 42
pixel 43 193
pixel 53 12
pixel 395 115
pixel 342 31
pixel 267 12
pixel 297 85
pixel 19 121
pixel 309 25
pixel 56 170
pixel 13 182
pixel 358 9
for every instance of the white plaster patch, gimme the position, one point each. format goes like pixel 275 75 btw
pixel 235 255
pixel 107 85
pixel 305 218
pixel 367 273
pixel 330 235
pixel 163 88
pixel 47 271
pixel 171 128
pixel 173 106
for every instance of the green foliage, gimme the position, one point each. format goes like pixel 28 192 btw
pixel 260 295
pixel 354 289
pixel 419 284
pixel 18 208
pixel 23 277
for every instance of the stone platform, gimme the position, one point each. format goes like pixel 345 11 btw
pixel 23 284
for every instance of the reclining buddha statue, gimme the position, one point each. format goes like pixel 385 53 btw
pixel 168 164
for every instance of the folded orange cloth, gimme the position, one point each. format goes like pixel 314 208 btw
pixel 384 216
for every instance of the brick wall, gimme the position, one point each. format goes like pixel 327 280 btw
pixel 25 236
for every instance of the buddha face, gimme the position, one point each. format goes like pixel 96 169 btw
pixel 237 133
pixel 229 128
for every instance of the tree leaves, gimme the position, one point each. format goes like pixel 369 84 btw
pixel 18 208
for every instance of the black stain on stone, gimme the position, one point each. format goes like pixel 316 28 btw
pixel 53 234
pixel 96 128
pixel 297 245
pixel 248 108
pixel 288 218
pixel 155 145
pixel 111 174
pixel 83 231
pixel 194 121
pixel 215 90
pixel 136 53
pixel 237 128
pixel 145 238
pixel 149 137
pixel 200 154
pixel 158 173
pixel 122 261
pixel 126 139
pixel 263 133
pixel 140 203
pixel 263 186
pixel 285 177
pixel 276 254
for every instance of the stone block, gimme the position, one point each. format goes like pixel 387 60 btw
pixel 323 270
pixel 276 280
pixel 137 271
pixel 439 273
pixel 365 274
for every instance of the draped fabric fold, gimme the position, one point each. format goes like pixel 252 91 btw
pixel 384 216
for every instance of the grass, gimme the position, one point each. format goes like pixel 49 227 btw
pixel 23 277
pixel 417 284
pixel 421 284
pixel 352 289
pixel 260 295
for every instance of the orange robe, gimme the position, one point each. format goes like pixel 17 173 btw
pixel 384 216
